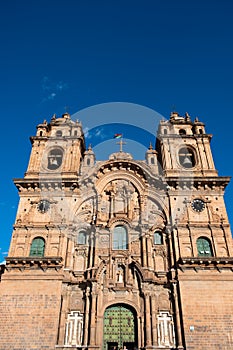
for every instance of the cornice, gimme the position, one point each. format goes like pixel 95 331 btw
pixel 206 263
pixel 32 263
pixel 197 183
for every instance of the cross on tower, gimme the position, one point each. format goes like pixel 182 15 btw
pixel 121 143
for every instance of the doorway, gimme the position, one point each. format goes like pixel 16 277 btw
pixel 120 327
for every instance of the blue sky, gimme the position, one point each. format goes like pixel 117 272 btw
pixel 164 55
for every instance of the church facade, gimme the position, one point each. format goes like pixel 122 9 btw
pixel 121 253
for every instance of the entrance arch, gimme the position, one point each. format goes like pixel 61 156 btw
pixel 120 327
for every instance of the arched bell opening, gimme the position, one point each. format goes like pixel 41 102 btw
pixel 187 157
pixel 120 327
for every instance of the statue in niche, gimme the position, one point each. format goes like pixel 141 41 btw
pixel 135 201
pixel 119 197
pixel 136 207
pixel 120 275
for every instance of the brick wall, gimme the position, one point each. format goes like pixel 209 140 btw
pixel 207 307
pixel 29 314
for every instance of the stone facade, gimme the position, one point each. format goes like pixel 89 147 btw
pixel 122 252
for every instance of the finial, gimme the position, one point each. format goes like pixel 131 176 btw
pixel 174 115
pixel 53 117
pixel 150 147
pixel 89 147
pixel 187 117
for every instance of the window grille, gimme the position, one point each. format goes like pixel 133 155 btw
pixel 120 238
pixel 37 247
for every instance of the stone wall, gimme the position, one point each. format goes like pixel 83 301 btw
pixel 29 312
pixel 208 311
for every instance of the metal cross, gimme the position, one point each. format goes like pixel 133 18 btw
pixel 121 143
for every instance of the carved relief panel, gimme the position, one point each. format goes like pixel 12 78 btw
pixel 119 198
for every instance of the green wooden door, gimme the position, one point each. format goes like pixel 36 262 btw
pixel 119 328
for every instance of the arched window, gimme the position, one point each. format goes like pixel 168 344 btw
pixel 88 161
pixel 158 238
pixel 186 157
pixel 55 158
pixel 37 247
pixel 204 247
pixel 120 238
pixel 165 131
pixel 59 133
pixel 182 132
pixel 82 237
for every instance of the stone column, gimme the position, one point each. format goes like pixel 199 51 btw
pixel 177 316
pixel 93 319
pixel 142 327
pixel 91 248
pixel 144 255
pixel 149 252
pixel 154 321
pixel 171 247
pixel 148 321
pixel 86 320
pixel 112 209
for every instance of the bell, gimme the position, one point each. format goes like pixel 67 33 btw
pixel 187 161
pixel 53 161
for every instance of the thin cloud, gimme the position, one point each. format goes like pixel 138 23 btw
pixel 86 133
pixel 61 86
pixel 51 89
pixel 3 253
pixel 45 84
pixel 100 133
pixel 52 96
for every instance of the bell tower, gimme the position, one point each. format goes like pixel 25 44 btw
pixel 195 190
pixel 40 245
pixel 57 149
pixel 185 147
pixel 47 187
pixel 201 241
